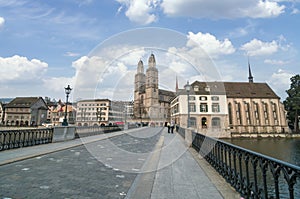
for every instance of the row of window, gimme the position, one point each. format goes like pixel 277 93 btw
pixel 204 98
pixel 215 107
pixel 259 116
pixel 92 109
pixel 102 104
pixel 215 122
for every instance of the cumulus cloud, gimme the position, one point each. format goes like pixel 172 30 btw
pixel 97 75
pixel 222 9
pixel 139 11
pixel 209 44
pixel 2 21
pixel 280 81
pixel 143 11
pixel 259 48
pixel 19 68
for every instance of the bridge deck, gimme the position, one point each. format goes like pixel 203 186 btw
pixel 92 167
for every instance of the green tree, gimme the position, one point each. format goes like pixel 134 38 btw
pixel 292 102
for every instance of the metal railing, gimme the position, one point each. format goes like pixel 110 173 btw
pixel 10 139
pixel 252 174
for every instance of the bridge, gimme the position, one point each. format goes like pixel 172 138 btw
pixel 143 162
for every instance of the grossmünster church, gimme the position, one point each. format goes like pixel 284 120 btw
pixel 151 104
pixel 242 108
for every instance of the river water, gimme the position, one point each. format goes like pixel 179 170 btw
pixel 285 149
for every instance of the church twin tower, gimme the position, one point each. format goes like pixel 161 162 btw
pixel 146 92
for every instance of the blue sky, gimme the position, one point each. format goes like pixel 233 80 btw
pixel 94 45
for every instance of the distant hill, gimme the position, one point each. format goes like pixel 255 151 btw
pixel 5 100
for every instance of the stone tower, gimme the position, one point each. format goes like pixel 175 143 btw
pixel 151 100
pixel 139 91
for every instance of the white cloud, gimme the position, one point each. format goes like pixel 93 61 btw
pixel 19 68
pixel 275 62
pixel 2 22
pixel 280 81
pixel 209 44
pixel 259 48
pixel 57 84
pixel 96 76
pixel 139 11
pixel 222 9
pixel 295 11
pixel 71 54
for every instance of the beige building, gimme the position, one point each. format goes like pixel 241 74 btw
pixel 92 112
pixel 151 104
pixel 226 109
pixel 207 107
pixel 26 111
pixel 254 108
pixel 57 114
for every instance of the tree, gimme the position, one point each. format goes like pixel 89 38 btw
pixel 292 103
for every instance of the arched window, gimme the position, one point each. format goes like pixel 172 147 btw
pixel 216 122
pixel 238 113
pixel 204 122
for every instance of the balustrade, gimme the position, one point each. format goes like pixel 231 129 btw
pixel 10 139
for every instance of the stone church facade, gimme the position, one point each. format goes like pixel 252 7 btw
pixel 151 104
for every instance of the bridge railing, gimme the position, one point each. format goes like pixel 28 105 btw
pixel 252 174
pixel 95 130
pixel 10 139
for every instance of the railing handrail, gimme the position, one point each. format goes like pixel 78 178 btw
pixel 252 174
pixel 255 153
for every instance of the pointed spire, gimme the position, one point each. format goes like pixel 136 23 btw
pixel 250 78
pixel 140 68
pixel 151 60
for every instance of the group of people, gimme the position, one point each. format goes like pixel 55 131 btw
pixel 171 126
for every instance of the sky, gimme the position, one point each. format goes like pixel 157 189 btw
pixel 95 45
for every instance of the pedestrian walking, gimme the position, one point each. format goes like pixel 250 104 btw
pixel 169 126
pixel 172 126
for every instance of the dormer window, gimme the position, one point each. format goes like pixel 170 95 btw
pixel 207 89
pixel 196 88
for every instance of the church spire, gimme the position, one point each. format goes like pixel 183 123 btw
pixel 250 78
pixel 140 68
pixel 151 61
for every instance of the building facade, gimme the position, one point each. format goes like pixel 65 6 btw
pixel 56 113
pixel 226 109
pixel 254 108
pixel 204 106
pixel 26 111
pixel 151 104
pixel 103 112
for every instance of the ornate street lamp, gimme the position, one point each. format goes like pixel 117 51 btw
pixel 187 87
pixel 67 91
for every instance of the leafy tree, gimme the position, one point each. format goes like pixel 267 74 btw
pixel 292 102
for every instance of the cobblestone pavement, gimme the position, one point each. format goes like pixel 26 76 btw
pixel 102 169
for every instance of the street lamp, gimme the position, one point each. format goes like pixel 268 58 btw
pixel 187 87
pixel 67 91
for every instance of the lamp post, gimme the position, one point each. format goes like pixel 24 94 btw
pixel 67 91
pixel 187 87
